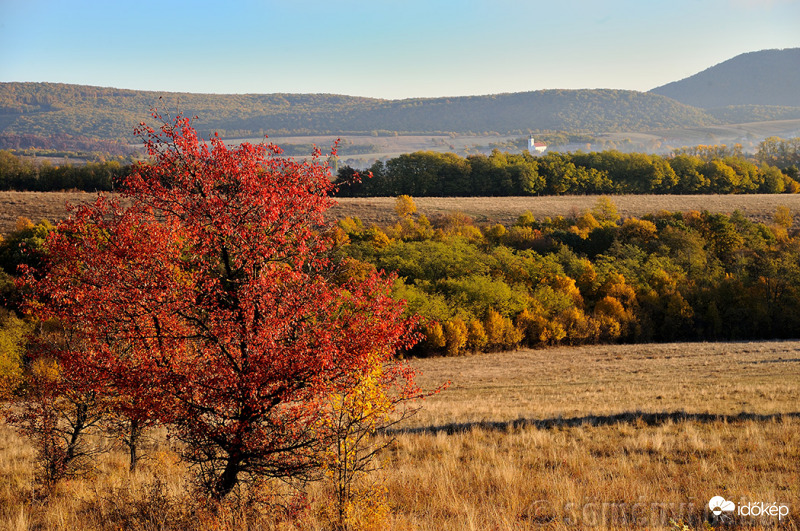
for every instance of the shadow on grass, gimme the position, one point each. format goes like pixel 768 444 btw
pixel 628 417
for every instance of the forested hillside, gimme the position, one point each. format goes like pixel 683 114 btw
pixel 106 113
pixel 767 77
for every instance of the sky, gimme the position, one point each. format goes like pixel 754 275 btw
pixel 391 49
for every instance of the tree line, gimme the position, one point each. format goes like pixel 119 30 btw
pixel 27 174
pixel 695 170
pixel 592 278
pixel 700 170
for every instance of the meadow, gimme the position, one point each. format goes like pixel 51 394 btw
pixel 606 437
pixel 505 210
pixel 603 436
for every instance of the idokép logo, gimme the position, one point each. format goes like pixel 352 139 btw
pixel 719 505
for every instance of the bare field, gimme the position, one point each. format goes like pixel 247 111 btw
pixel 36 206
pixel 505 210
pixel 380 210
pixel 602 381
pixel 602 437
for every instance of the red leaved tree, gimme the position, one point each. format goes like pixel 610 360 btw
pixel 207 298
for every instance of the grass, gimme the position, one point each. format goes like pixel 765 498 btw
pixel 36 206
pixel 608 437
pixel 621 437
pixel 506 210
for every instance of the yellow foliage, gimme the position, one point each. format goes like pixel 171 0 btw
pixel 46 370
pixel 10 363
pixel 500 332
pixel 455 333
pixel 521 237
pixel 611 307
pixel 494 326
pixel 587 279
pixel 404 206
pixel 470 232
pixel 495 232
pixel 339 236
pixel 23 223
pixel 409 229
pixel 552 333
pixel 457 224
pixel 476 336
pixel 609 328
pixel 586 224
pixel 616 286
pixel 783 217
pixel 639 230
pixel 577 327
pixel 352 269
pixel 379 238
pixel 12 344
pixel 678 307
pixel 532 326
pixel 355 415
pixel 434 336
pixel 526 219
pixel 567 285
pixel 605 211
pixel 368 510
pixel 351 225
pixel 663 282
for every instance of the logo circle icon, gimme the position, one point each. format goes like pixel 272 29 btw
pixel 718 504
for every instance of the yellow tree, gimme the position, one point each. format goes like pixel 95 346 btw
pixel 376 399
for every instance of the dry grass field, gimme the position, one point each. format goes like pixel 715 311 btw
pixel 51 206
pixel 605 437
pixel 506 210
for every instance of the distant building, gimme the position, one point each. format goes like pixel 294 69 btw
pixel 534 146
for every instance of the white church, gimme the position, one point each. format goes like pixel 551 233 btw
pixel 535 147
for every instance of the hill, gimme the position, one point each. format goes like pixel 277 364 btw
pixel 110 114
pixel 765 78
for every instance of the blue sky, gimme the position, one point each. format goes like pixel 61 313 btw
pixel 387 49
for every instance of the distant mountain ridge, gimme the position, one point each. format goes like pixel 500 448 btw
pixel 108 113
pixel 766 77
pixel 757 86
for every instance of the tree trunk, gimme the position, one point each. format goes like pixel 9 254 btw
pixel 228 479
pixel 133 443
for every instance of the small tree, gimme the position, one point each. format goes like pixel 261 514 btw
pixel 12 339
pixel 374 401
pixel 211 302
pixel 404 206
pixel 57 414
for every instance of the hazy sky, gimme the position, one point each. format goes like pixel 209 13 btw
pixel 383 48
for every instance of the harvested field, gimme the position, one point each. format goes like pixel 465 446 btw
pixel 380 210
pixel 505 210
pixel 36 206
pixel 760 378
